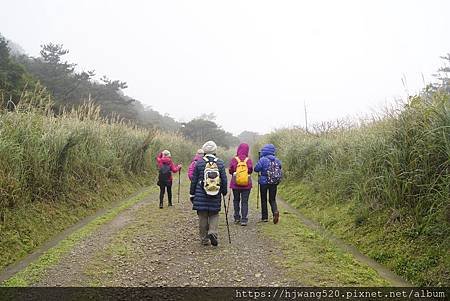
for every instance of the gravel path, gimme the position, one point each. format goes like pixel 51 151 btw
pixel 148 246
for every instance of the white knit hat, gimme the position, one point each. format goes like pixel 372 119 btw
pixel 166 153
pixel 209 147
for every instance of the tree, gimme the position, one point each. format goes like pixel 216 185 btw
pixel 55 73
pixel 14 80
pixel 201 130
pixel 248 137
pixel 71 88
pixel 443 76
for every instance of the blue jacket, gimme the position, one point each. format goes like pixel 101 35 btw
pixel 202 201
pixel 267 155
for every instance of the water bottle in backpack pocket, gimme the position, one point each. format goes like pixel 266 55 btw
pixel 274 173
pixel 211 177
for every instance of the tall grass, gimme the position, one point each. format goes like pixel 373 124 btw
pixel 48 158
pixel 398 163
pixel 55 170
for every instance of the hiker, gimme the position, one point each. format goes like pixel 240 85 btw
pixel 198 156
pixel 166 168
pixel 241 168
pixel 208 185
pixel 270 168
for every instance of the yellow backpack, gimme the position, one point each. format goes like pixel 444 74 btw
pixel 242 172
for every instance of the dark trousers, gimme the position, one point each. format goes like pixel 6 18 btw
pixel 240 202
pixel 162 189
pixel 272 190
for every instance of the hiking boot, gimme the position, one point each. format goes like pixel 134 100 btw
pixel 170 204
pixel 243 223
pixel 264 220
pixel 213 239
pixel 276 217
pixel 205 242
pixel 236 221
pixel 160 206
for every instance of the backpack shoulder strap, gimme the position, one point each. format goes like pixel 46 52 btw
pixel 237 159
pixel 246 159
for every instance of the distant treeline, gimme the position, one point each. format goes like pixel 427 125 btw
pixel 68 88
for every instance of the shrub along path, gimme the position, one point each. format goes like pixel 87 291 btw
pixel 147 246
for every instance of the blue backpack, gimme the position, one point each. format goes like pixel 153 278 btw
pixel 274 173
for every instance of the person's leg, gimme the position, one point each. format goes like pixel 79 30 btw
pixel 213 224
pixel 245 194
pixel 236 201
pixel 273 203
pixel 161 195
pixel 203 226
pixel 264 212
pixel 169 193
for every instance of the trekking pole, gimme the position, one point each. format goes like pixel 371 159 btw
pixel 229 197
pixel 257 195
pixel 179 183
pixel 226 218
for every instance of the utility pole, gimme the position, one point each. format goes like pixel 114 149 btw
pixel 306 117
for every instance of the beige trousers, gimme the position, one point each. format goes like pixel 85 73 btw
pixel 207 222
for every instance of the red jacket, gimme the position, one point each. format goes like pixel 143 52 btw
pixel 167 160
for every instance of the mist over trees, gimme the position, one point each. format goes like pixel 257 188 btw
pixel 249 137
pixel 200 130
pixel 14 79
pixel 71 88
pixel 443 75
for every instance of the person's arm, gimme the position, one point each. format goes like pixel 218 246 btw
pixel 175 168
pixel 258 166
pixel 194 180
pixel 233 165
pixel 250 165
pixel 159 160
pixel 191 169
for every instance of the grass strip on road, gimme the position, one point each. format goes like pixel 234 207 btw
pixel 33 272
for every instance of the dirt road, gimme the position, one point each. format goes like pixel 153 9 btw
pixel 147 246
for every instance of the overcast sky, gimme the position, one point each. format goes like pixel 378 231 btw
pixel 252 63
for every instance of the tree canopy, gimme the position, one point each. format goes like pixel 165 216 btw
pixel 14 79
pixel 201 130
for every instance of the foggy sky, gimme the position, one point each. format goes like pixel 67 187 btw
pixel 252 63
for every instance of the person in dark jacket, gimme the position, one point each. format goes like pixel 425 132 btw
pixel 268 156
pixel 241 193
pixel 166 168
pixel 207 206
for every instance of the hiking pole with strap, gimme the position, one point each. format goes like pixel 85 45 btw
pixel 226 219
pixel 179 183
